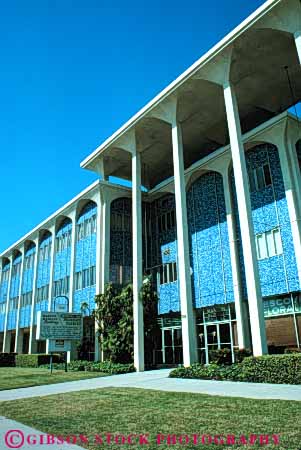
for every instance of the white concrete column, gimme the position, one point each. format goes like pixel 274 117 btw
pixel 243 334
pixel 297 36
pixel 105 245
pixel 72 355
pixel 7 342
pixel 52 261
pixel 32 339
pixel 289 179
pixel 102 257
pixel 6 337
pixel 187 314
pixel 295 172
pixel 72 260
pixel 137 262
pixel 246 224
pixel 51 284
pixel 19 336
pixel 19 341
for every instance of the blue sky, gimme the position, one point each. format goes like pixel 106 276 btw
pixel 72 72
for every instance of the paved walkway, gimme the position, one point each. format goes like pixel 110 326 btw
pixel 16 435
pixel 158 380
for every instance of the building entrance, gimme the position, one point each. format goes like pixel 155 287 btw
pixel 172 350
pixel 216 329
pixel 168 347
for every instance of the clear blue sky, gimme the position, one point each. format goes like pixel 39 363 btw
pixel 72 72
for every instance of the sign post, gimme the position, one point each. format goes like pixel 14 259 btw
pixel 60 328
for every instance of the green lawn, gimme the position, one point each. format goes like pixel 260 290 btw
pixel 17 377
pixel 138 411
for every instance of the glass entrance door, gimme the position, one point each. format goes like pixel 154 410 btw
pixel 213 337
pixel 172 345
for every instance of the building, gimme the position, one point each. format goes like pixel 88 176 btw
pixel 218 224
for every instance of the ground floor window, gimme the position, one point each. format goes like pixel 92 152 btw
pixel 283 322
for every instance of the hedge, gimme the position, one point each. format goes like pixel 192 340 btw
pixel 7 359
pixel 276 369
pixel 90 366
pixel 36 360
pixel 223 356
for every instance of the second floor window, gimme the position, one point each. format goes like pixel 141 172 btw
pixel 269 244
pixel 166 221
pixel 42 293
pixel 63 241
pixel 26 299
pixel 13 303
pixel 85 278
pixel 44 252
pixel 260 177
pixel 61 287
pixel 121 222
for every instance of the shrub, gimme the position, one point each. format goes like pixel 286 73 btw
pixel 111 368
pixel 79 365
pixel 36 360
pixel 221 356
pixel 241 353
pixel 292 350
pixel 7 359
pixel 90 366
pixel 55 366
pixel 272 369
pixel 275 369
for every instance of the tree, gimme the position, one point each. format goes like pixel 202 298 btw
pixel 114 316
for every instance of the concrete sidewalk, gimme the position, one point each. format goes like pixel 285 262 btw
pixel 158 380
pixel 16 435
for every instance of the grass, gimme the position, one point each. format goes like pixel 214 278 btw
pixel 125 411
pixel 18 377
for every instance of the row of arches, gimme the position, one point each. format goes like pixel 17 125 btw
pixel 62 222
pixel 59 245
pixel 208 233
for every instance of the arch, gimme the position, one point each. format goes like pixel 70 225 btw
pixel 63 225
pixel 85 209
pixel 121 240
pixel 194 176
pixel 121 205
pixel 45 237
pixel 16 257
pixel 278 271
pixel 5 263
pixel 258 73
pixel 209 241
pixel 29 248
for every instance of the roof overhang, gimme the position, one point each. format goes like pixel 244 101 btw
pixel 261 47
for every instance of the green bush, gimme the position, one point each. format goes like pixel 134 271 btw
pixel 275 369
pixel 90 366
pixel 55 366
pixel 111 368
pixel 292 350
pixel 221 356
pixel 241 354
pixel 36 360
pixel 79 365
pixel 7 359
